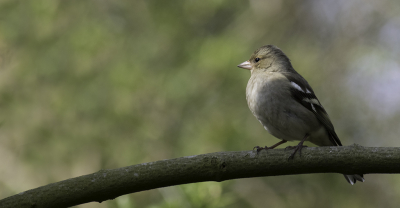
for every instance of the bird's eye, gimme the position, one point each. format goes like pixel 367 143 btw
pixel 257 60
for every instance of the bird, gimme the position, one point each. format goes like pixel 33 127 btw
pixel 285 104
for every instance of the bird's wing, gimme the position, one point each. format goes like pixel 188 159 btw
pixel 304 94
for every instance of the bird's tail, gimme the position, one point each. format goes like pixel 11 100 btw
pixel 352 179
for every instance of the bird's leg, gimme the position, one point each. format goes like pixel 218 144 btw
pixel 297 147
pixel 271 147
pixel 277 144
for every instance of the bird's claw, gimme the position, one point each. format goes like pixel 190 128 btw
pixel 258 148
pixel 289 147
pixel 296 148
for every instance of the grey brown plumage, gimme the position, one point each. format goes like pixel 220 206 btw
pixel 285 104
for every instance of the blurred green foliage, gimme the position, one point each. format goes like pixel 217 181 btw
pixel 89 85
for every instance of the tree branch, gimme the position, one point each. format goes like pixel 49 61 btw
pixel 109 184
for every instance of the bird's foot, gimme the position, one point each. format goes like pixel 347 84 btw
pixel 296 148
pixel 258 148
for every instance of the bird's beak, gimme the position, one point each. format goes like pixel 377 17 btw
pixel 245 65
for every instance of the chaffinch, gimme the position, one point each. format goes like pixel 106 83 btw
pixel 285 104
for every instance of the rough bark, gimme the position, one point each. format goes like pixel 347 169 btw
pixel 109 184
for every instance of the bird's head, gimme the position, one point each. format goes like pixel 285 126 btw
pixel 268 58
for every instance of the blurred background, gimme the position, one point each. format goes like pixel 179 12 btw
pixel 90 85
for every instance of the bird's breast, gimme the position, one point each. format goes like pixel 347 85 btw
pixel 265 95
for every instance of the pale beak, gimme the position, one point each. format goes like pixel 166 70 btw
pixel 245 65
